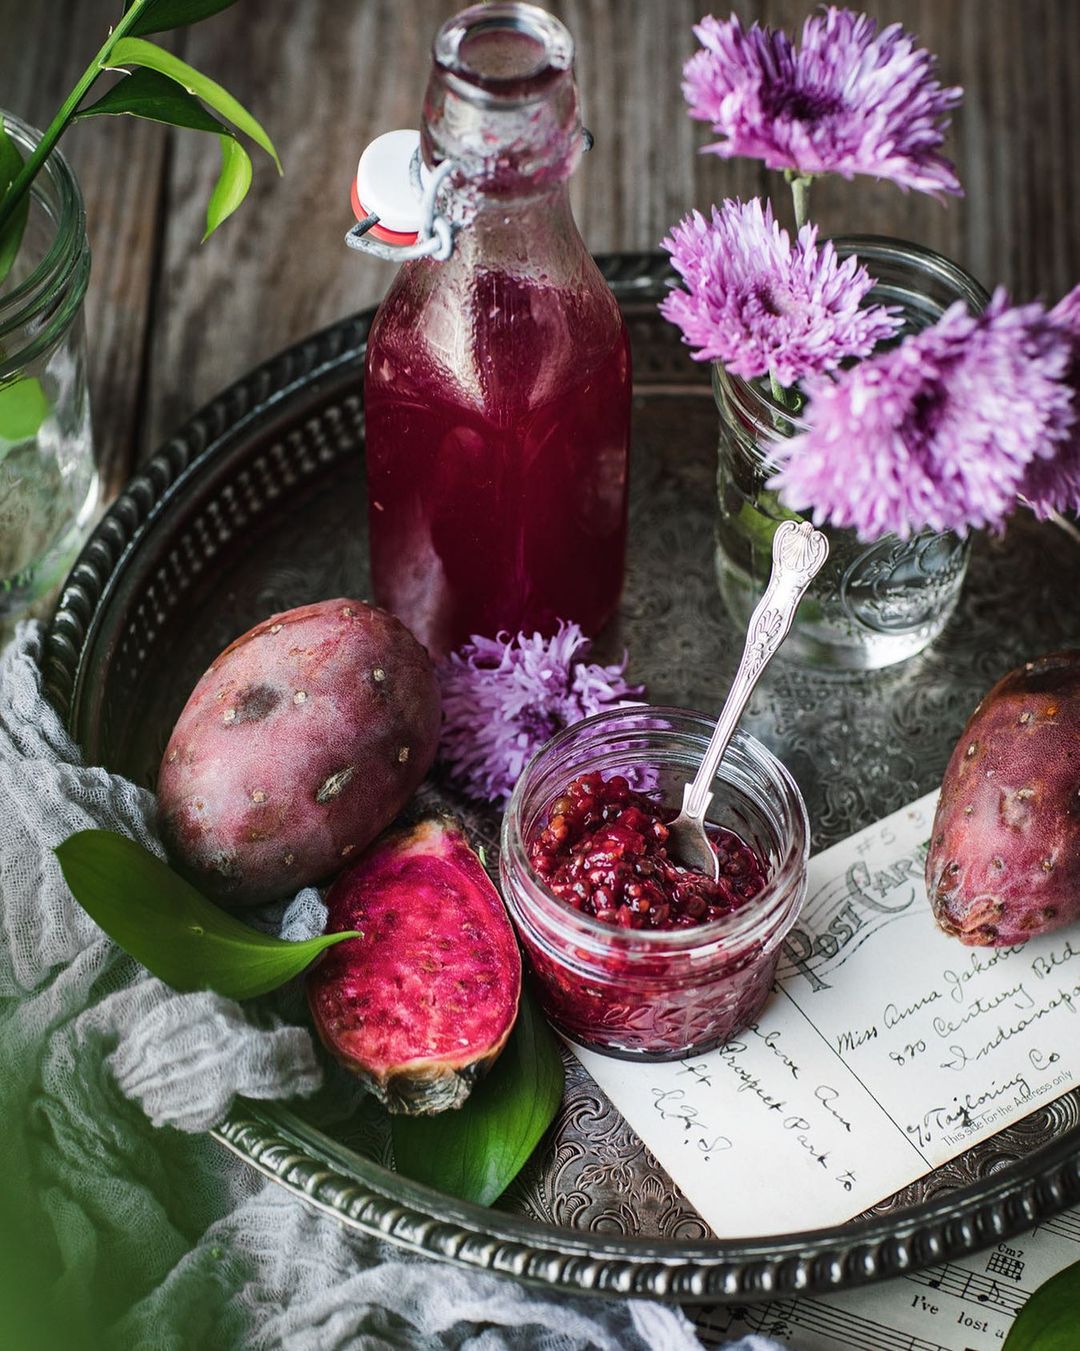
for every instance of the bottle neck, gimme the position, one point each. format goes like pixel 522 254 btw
pixel 502 104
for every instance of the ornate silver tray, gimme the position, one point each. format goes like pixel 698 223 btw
pixel 258 505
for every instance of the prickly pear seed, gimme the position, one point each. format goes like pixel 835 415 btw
pixel 299 697
pixel 289 859
pixel 403 755
pixel 230 715
pixel 378 674
pixel 258 795
pixel 275 628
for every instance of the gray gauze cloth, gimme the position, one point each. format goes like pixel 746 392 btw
pixel 158 1238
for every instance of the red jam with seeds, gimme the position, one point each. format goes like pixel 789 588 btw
pixel 604 853
pixel 653 989
pixel 632 955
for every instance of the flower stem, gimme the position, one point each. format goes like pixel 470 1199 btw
pixel 800 196
pixel 779 393
pixel 20 184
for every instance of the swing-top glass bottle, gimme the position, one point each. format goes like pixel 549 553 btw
pixel 497 386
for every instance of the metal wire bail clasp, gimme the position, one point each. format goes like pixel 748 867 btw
pixel 395 198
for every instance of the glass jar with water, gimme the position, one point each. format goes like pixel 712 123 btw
pixel 48 478
pixel 873 603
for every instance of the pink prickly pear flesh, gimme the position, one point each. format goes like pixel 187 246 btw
pixel 422 1004
pixel 1004 861
pixel 301 743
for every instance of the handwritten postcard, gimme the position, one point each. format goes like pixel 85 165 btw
pixel 886 1049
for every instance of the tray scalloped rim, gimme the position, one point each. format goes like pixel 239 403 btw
pixel 366 1197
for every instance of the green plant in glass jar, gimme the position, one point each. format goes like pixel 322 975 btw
pixel 49 485
pixel 867 381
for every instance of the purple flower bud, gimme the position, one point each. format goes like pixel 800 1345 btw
pixel 504 697
pixel 757 304
pixel 944 431
pixel 852 100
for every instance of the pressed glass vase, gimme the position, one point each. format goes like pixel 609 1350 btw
pixel 874 603
pixel 48 477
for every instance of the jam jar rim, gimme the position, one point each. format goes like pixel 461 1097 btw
pixel 782 887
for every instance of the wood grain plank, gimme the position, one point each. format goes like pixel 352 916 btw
pixel 327 75
pixel 120 165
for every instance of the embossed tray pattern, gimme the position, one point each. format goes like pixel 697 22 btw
pixel 257 504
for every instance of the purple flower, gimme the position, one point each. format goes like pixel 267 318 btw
pixel 1053 483
pixel 850 101
pixel 758 305
pixel 504 697
pixel 943 431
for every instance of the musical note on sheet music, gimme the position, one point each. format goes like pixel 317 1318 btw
pixel 970 1286
pixel 966 1305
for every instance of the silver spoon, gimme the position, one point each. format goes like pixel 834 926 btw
pixel 798 553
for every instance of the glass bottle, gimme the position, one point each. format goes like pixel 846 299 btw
pixel 497 387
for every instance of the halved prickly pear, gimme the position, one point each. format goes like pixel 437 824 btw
pixel 420 1006
pixel 1004 861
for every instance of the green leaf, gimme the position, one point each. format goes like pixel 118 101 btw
pixel 137 52
pixel 232 185
pixel 23 408
pixel 1051 1317
pixel 154 97
pixel 11 238
pixel 160 15
pixel 171 928
pixel 476 1151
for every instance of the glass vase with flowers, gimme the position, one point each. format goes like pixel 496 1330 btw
pixel 49 482
pixel 869 382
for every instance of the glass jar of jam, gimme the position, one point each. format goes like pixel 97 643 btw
pixel 497 384
pixel 613 978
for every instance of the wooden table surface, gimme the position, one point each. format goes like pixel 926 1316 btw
pixel 171 321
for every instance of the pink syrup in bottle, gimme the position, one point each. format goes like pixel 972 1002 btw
pixel 497 386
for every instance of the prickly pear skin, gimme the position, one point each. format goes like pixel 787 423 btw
pixel 1004 861
pixel 422 1004
pixel 301 743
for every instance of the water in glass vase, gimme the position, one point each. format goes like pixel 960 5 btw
pixel 48 493
pixel 49 483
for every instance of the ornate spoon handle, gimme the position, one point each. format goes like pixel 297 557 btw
pixel 798 552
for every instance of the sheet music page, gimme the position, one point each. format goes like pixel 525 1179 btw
pixel 886 1049
pixel 967 1305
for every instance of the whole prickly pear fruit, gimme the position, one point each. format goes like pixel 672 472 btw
pixel 301 743
pixel 421 1005
pixel 1004 861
